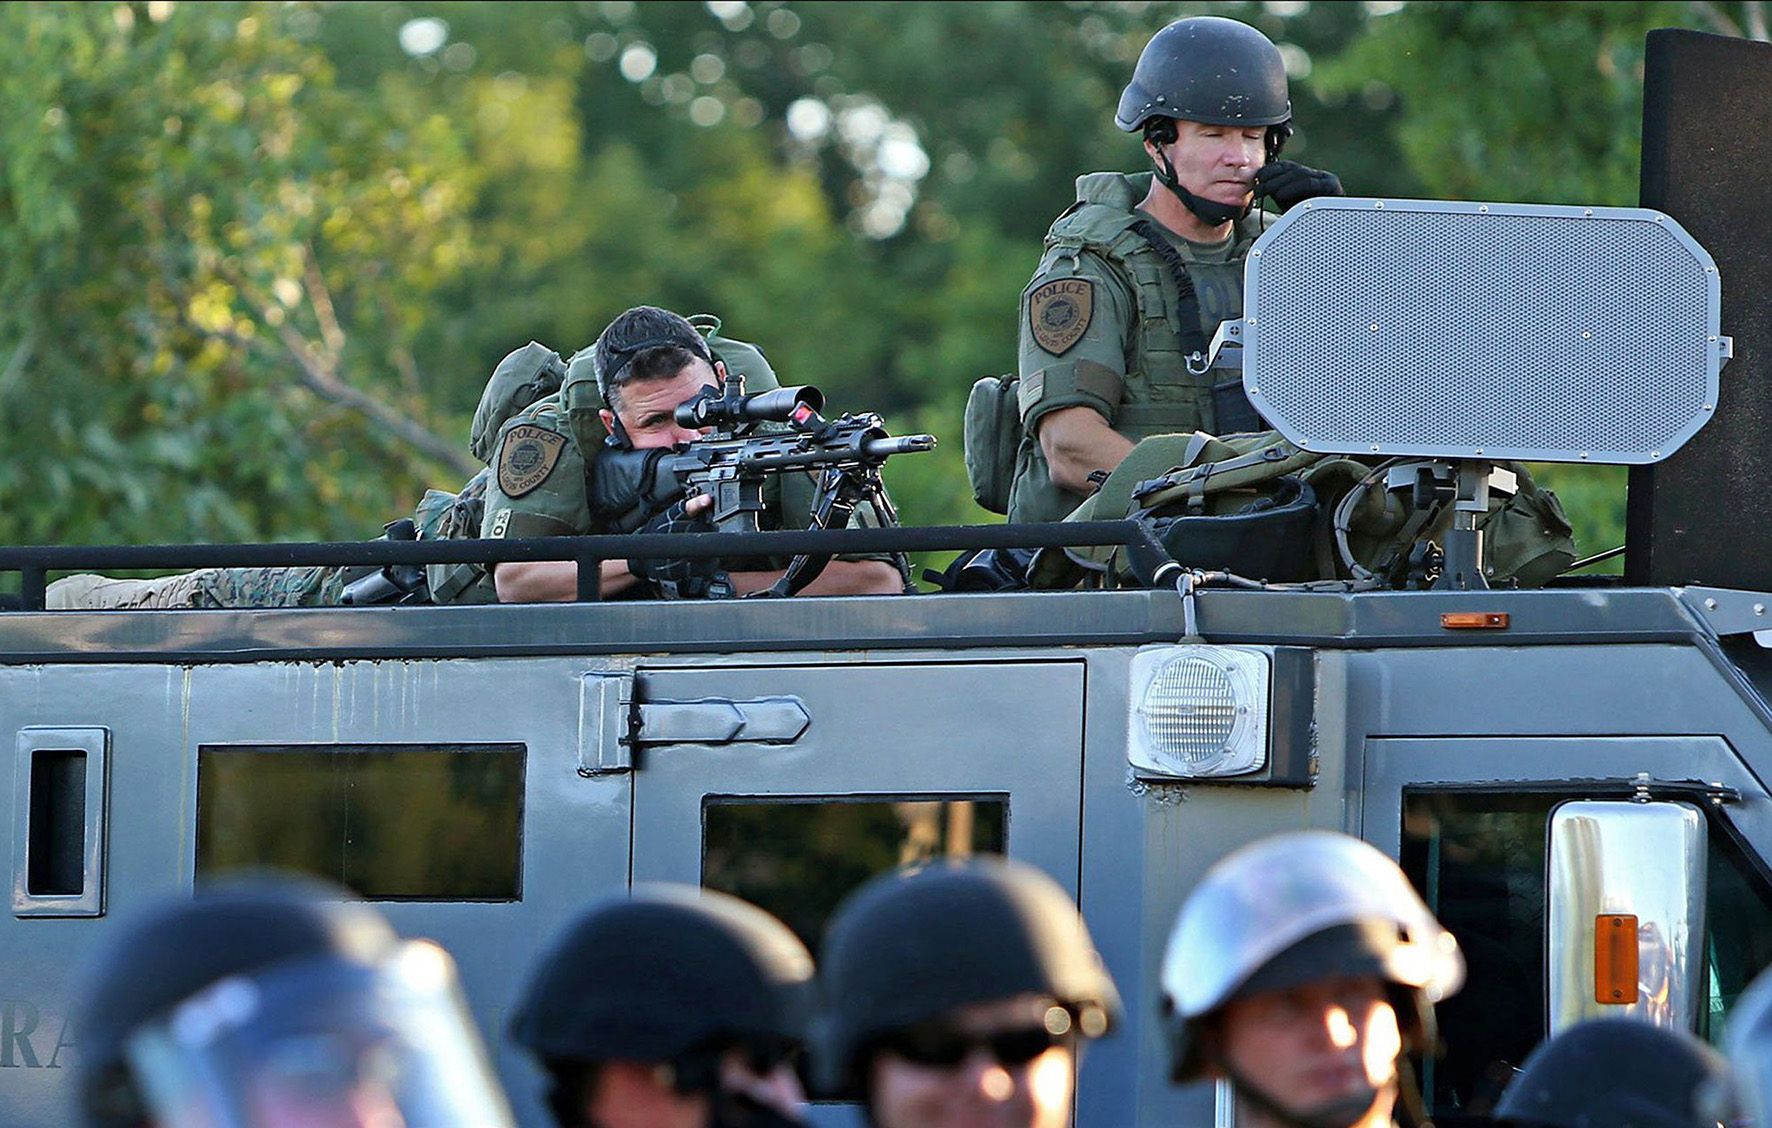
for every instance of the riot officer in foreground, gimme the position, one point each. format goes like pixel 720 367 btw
pixel 1619 1073
pixel 1303 969
pixel 1749 1047
pixel 959 996
pixel 673 1008
pixel 1139 272
pixel 277 1004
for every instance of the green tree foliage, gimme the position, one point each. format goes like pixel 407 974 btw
pixel 256 260
pixel 214 267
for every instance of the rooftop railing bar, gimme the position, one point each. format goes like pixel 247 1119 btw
pixel 34 563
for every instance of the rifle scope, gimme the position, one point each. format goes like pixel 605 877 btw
pixel 779 406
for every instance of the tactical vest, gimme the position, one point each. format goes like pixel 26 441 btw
pixel 1160 394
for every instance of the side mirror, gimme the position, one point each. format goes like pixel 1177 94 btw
pixel 1625 918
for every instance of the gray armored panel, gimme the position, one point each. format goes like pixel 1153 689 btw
pixel 1466 330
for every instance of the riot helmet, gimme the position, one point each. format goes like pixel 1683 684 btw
pixel 673 975
pixel 276 1001
pixel 1208 69
pixel 908 947
pixel 1211 70
pixel 1297 908
pixel 1619 1073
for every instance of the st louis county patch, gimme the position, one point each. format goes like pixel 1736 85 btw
pixel 1059 313
pixel 527 458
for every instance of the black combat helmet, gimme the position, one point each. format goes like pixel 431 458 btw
pixel 1207 69
pixel 669 970
pixel 187 1012
pixel 906 949
pixel 1616 1073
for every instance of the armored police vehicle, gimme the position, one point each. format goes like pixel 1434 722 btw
pixel 1574 776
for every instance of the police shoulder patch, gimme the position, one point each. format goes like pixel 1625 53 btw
pixel 526 458
pixel 1059 312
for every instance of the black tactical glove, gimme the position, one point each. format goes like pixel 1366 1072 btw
pixel 681 578
pixel 1288 183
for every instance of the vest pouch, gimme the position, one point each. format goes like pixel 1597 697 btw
pixel 520 379
pixel 992 439
pixel 1232 412
pixel 442 515
pixel 1527 538
pixel 582 399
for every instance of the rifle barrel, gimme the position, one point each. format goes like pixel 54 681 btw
pixel 902 444
pixel 872 450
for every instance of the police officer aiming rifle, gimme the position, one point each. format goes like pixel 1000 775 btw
pixel 721 476
pixel 622 395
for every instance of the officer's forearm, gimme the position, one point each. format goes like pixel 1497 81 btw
pixel 1077 441
pixel 840 577
pixel 554 581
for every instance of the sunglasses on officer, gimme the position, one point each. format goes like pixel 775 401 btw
pixel 937 1045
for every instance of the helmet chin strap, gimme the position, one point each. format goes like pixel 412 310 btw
pixel 1209 211
pixel 1343 1113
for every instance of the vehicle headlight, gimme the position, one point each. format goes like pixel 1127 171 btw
pixel 1199 711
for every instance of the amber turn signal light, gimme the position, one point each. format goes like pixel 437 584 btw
pixel 1474 620
pixel 1615 958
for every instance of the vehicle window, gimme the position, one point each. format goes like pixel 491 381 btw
pixel 1479 861
pixel 390 821
pixel 799 857
pixel 1737 930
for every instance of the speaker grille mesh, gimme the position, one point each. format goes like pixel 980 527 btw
pixel 1520 331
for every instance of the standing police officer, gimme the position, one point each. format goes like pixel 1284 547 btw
pixel 675 1008
pixel 959 996
pixel 1138 272
pixel 1303 969
pixel 277 1004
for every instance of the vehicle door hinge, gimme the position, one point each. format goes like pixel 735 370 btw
pixel 613 722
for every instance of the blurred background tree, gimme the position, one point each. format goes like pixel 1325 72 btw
pixel 256 260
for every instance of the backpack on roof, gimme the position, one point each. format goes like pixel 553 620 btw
pixel 521 378
pixel 1262 507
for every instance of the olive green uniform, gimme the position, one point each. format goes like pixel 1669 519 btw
pixel 1099 329
pixel 540 483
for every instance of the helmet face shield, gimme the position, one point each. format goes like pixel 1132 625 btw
pixel 1266 897
pixel 318 1044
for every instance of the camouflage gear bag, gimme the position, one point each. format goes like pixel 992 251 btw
pixel 1260 506
pixel 442 515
